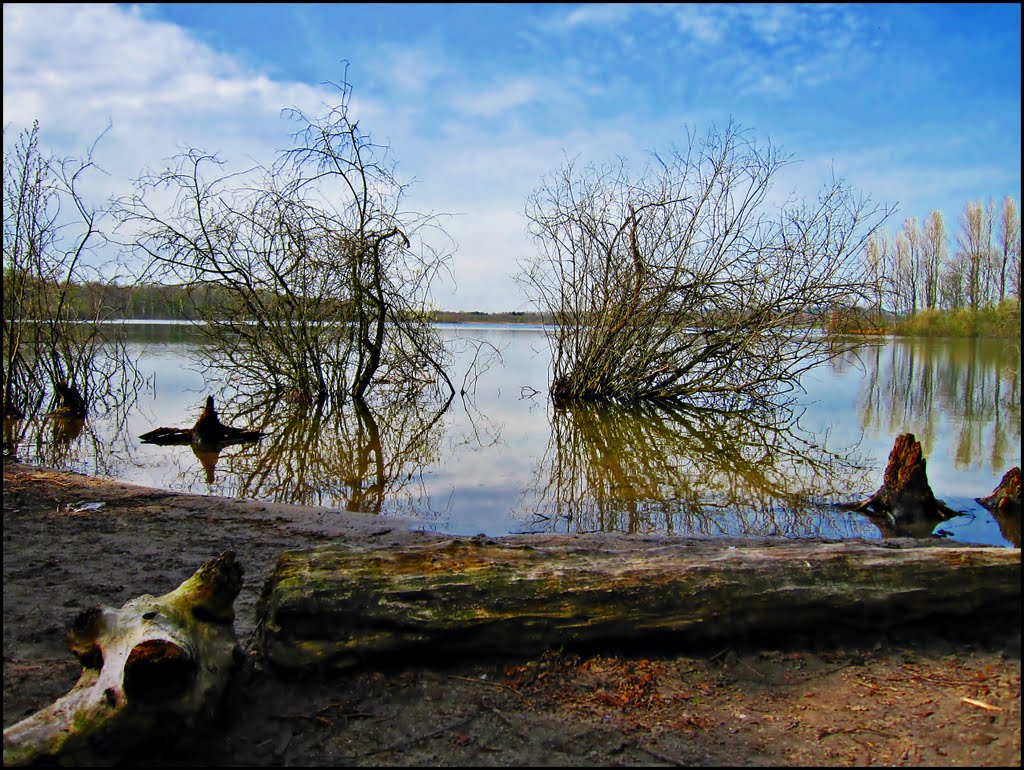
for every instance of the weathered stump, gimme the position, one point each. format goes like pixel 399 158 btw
pixel 335 607
pixel 208 432
pixel 1006 496
pixel 69 400
pixel 156 668
pixel 1004 504
pixel 905 504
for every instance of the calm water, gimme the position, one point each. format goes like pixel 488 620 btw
pixel 502 460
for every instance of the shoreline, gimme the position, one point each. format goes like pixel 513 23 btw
pixel 800 701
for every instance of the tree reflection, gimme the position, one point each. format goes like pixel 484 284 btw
pixel 364 456
pixel 61 440
pixel 1009 525
pixel 916 385
pixel 675 469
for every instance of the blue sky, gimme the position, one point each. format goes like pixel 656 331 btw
pixel 916 105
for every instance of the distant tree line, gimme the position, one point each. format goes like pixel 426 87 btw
pixel 176 302
pixel 925 267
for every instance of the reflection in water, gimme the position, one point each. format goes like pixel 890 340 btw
pixel 912 523
pixel 57 440
pixel 357 457
pixel 1009 525
pixel 693 472
pixel 208 458
pixel 916 385
pixel 506 458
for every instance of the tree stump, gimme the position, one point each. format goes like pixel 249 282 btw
pixel 156 668
pixel 335 607
pixel 1006 496
pixel 70 402
pixel 1004 504
pixel 208 432
pixel 905 503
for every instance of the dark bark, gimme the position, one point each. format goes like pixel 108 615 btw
pixel 208 431
pixel 335 607
pixel 69 400
pixel 1004 504
pixel 905 505
pixel 1006 496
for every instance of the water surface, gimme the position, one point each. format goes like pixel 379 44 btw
pixel 500 459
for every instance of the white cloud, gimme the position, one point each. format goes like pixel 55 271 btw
pixel 595 14
pixel 593 80
pixel 161 90
pixel 705 24
pixel 772 50
pixel 78 67
pixel 511 94
pixel 414 70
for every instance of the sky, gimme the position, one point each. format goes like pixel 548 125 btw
pixel 917 106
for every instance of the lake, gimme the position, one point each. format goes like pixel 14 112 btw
pixel 501 459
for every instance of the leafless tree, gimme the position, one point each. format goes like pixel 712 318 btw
pixel 877 258
pixel 326 277
pixel 1009 248
pixel 904 283
pixel 935 252
pixel 975 248
pixel 55 349
pixel 953 281
pixel 915 263
pixel 683 284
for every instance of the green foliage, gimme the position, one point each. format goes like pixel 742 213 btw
pixel 1001 321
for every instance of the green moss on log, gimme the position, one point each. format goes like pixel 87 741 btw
pixel 335 607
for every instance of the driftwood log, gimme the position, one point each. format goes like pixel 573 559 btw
pixel 155 668
pixel 335 607
pixel 905 506
pixel 208 431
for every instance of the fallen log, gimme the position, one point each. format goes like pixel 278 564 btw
pixel 155 668
pixel 336 607
pixel 208 431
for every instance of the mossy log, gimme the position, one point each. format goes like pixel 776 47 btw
pixel 335 607
pixel 155 669
pixel 208 431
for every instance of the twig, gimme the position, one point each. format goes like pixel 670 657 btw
pixel 852 730
pixel 663 756
pixel 312 717
pixel 512 725
pixel 933 680
pixel 981 704
pixel 252 636
pixel 720 653
pixel 489 683
pixel 747 665
pixel 426 737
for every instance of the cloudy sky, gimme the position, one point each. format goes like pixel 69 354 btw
pixel 917 106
